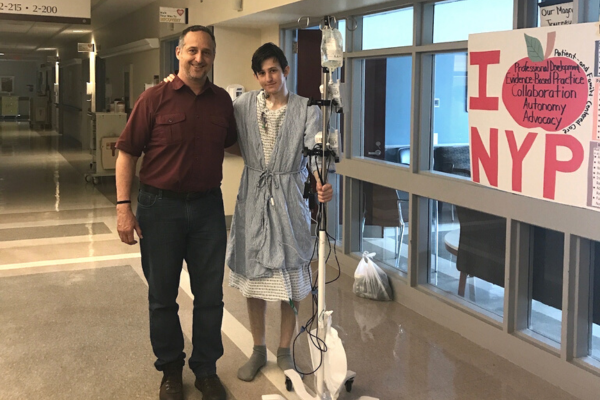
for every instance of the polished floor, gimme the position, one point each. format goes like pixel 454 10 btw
pixel 73 313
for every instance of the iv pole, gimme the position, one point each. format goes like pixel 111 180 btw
pixel 292 375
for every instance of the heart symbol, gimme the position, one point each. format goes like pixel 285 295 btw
pixel 180 12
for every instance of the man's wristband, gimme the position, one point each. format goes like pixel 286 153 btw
pixel 123 201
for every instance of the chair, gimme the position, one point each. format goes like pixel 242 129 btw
pixel 481 247
pixel 388 208
pixel 398 155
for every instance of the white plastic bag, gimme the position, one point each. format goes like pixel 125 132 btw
pixel 370 281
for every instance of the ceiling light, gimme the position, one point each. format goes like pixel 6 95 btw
pixel 1 54
pixel 46 49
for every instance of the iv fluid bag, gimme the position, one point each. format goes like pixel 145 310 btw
pixel 332 53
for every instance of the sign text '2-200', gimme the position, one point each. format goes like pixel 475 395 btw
pixel 38 9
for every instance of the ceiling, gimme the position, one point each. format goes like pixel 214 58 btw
pixel 23 40
pixel 290 13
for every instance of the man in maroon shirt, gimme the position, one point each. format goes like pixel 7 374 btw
pixel 182 128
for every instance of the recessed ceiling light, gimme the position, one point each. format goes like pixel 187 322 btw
pixel 46 49
pixel 78 31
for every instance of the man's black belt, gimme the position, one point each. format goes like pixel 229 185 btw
pixel 177 195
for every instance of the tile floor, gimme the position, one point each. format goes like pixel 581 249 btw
pixel 63 337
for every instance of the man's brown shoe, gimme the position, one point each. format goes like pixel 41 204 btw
pixel 211 388
pixel 171 387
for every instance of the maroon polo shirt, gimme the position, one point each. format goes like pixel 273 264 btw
pixel 182 136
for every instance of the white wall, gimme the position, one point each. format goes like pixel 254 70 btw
pixel 270 34
pixel 233 65
pixel 25 73
pixel 73 101
pixel 144 64
pixel 140 24
pixel 215 11
pixel 233 61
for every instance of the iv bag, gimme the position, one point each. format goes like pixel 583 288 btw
pixel 332 53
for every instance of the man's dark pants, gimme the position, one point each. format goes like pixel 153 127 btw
pixel 191 229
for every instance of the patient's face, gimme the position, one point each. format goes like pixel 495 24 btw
pixel 271 77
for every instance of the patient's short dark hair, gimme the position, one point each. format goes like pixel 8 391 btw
pixel 266 52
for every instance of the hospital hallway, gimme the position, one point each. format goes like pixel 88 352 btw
pixel 74 314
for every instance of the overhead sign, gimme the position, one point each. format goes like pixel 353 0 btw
pixel 534 108
pixel 174 15
pixel 85 47
pixel 556 12
pixel 66 11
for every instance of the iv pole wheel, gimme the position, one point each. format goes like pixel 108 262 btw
pixel 348 384
pixel 289 386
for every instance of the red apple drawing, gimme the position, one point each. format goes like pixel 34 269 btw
pixel 542 91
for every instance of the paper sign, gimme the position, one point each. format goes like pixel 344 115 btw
pixel 553 14
pixel 533 112
pixel 174 15
pixel 85 47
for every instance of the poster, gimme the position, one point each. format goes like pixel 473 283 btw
pixel 173 15
pixel 534 96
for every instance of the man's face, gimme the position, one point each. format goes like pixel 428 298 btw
pixel 271 77
pixel 196 57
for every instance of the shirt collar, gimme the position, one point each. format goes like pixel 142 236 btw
pixel 178 84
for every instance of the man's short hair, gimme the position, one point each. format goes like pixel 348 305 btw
pixel 197 28
pixel 266 52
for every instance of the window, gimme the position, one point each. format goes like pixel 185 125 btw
pixel 388 29
pixel 335 219
pixel 384 224
pixel 455 20
pixel 467 249
pixel 450 139
pixel 595 301
pixel 386 109
pixel 547 252
pixel 342 28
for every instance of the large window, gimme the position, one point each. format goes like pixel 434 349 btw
pixel 468 255
pixel 384 224
pixel 454 20
pixel 335 222
pixel 389 29
pixel 406 129
pixel 594 312
pixel 386 108
pixel 450 138
pixel 547 255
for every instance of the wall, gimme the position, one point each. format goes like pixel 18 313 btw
pixel 270 34
pixel 213 12
pixel 129 29
pixel 25 73
pixel 234 56
pixel 145 66
pixel 72 78
pixel 232 65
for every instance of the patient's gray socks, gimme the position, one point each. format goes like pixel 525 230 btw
pixel 258 359
pixel 284 359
